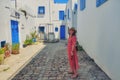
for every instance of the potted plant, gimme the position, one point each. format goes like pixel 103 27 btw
pixel 25 44
pixel 2 55
pixel 15 49
pixel 34 36
pixel 7 50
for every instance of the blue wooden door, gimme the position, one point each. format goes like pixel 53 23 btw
pixel 62 32
pixel 14 32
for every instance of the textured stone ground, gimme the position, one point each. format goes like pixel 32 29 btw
pixel 51 64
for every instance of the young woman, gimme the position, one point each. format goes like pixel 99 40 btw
pixel 72 53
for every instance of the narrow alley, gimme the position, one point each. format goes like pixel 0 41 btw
pixel 51 64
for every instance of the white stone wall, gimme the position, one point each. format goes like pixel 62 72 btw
pixel 98 33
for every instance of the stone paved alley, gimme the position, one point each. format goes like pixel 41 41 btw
pixel 51 64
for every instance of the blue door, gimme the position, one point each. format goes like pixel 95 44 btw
pixel 62 32
pixel 14 32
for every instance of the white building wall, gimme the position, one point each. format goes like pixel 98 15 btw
pixel 26 24
pixel 4 22
pixel 32 22
pixel 69 6
pixel 98 33
pixel 51 15
pixel 55 8
pixel 7 7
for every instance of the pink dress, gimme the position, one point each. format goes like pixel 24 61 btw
pixel 73 60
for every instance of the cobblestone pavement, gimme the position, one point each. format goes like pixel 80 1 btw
pixel 51 64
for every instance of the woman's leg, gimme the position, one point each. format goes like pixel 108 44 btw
pixel 70 63
pixel 74 69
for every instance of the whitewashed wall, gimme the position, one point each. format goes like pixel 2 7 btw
pixel 55 8
pixel 51 13
pixel 4 22
pixel 99 31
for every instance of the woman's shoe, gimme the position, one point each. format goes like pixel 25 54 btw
pixel 74 76
pixel 70 72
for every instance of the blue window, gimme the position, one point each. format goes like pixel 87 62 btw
pixel 61 15
pixel 41 10
pixel 56 29
pixel 3 44
pixel 75 6
pixel 82 4
pixel 60 1
pixel 100 2
pixel 68 14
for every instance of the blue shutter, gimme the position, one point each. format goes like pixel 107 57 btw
pixel 82 4
pixel 100 2
pixel 41 10
pixel 75 7
pixel 61 15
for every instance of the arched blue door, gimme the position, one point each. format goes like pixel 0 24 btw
pixel 14 32
pixel 62 32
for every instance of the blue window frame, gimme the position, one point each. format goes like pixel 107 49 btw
pixel 68 14
pixel 100 2
pixel 61 15
pixel 60 1
pixel 41 10
pixel 56 29
pixel 82 4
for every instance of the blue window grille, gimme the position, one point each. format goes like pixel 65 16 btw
pixel 82 4
pixel 100 2
pixel 61 15
pixel 68 14
pixel 56 29
pixel 41 10
pixel 60 1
